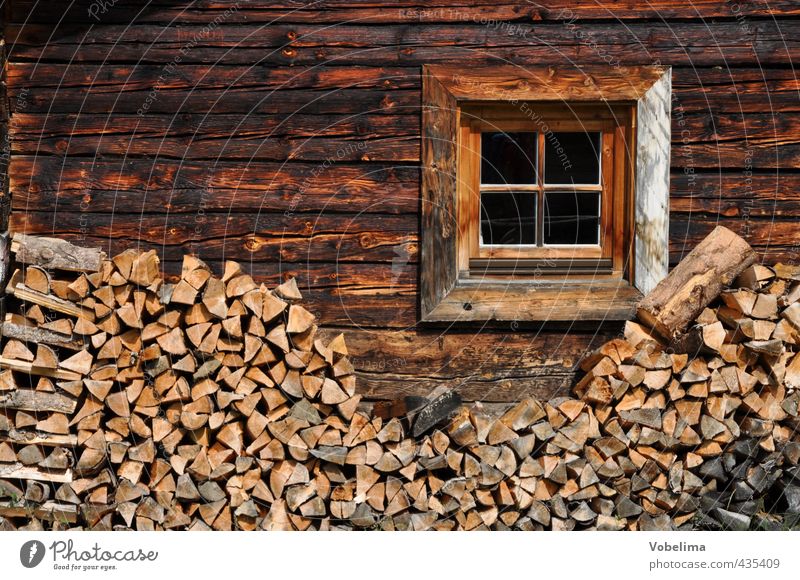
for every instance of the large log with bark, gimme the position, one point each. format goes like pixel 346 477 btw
pixel 695 282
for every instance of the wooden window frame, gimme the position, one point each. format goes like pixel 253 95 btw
pixel 457 280
pixel 606 258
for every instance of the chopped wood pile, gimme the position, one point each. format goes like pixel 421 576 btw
pixel 130 403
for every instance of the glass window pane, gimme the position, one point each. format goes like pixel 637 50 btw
pixel 508 158
pixel 571 218
pixel 572 158
pixel 508 217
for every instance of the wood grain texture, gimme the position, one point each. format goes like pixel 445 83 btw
pixel 551 83
pixel 558 302
pixel 439 235
pixel 413 45
pixel 356 295
pixel 311 86
pixel 55 253
pixel 322 89
pixel 695 282
pixel 651 190
pixel 319 138
pixel 313 237
pixel 487 365
pixel 172 186
pixel 401 11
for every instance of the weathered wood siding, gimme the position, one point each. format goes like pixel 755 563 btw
pixel 287 135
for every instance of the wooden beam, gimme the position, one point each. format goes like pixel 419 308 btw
pixel 56 254
pixel 438 267
pixel 564 302
pixel 550 83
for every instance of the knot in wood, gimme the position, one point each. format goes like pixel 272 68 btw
pixel 367 240
pixel 252 244
pixel 47 254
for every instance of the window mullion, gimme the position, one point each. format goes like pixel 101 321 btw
pixel 540 190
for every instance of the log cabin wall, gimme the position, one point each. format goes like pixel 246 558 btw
pixel 287 135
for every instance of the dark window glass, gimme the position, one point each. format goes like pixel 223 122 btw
pixel 508 158
pixel 571 218
pixel 508 217
pixel 572 158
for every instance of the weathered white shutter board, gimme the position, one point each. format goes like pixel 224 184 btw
pixel 653 134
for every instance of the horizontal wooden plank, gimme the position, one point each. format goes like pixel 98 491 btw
pixel 321 149
pixel 699 140
pixel 725 43
pixel 755 154
pixel 351 295
pixel 385 294
pixel 334 238
pixel 33 334
pixel 167 186
pixel 345 294
pixel 483 300
pixel 774 240
pixel 214 101
pixel 785 205
pixel 316 137
pixel 481 364
pixel 125 89
pixel 172 186
pixel 191 126
pixel 143 76
pixel 546 82
pixel 396 11
pixel 735 90
pixel 716 127
pixel 781 186
pixel 343 238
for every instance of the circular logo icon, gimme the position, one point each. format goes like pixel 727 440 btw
pixel 31 553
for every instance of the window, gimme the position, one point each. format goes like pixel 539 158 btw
pixel 537 189
pixel 545 192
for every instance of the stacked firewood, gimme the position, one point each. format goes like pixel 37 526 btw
pixel 127 402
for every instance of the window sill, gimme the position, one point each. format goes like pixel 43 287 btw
pixel 479 300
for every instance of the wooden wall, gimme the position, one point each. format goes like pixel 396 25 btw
pixel 287 135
